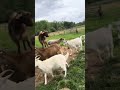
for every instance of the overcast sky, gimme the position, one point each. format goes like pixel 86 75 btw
pixel 60 10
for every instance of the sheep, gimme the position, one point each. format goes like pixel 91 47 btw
pixel 55 41
pixel 100 40
pixel 45 53
pixel 53 63
pixel 74 43
pixel 17 26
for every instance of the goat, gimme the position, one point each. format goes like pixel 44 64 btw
pixel 74 43
pixel 24 63
pixel 83 39
pixel 32 39
pixel 53 63
pixel 100 40
pixel 55 41
pixel 45 53
pixel 17 28
pixel 42 36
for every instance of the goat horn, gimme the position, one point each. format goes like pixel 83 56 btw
pixel 1 74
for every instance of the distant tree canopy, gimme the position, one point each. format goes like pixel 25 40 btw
pixel 8 6
pixel 55 26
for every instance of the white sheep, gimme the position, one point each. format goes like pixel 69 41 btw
pixel 100 40
pixel 53 63
pixel 74 43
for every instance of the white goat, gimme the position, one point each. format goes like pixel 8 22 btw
pixel 100 40
pixel 53 63
pixel 74 43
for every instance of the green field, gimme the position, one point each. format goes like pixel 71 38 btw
pixel 111 13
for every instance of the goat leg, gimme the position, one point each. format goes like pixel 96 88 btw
pixel 24 45
pixel 45 75
pixel 29 44
pixel 18 46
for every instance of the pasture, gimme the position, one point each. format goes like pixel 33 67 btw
pixel 75 79
pixel 68 35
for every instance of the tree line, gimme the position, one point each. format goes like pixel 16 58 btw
pixel 44 25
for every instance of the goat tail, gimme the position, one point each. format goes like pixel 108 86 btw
pixel 67 55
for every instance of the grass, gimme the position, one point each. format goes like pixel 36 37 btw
pixel 75 79
pixel 111 13
pixel 66 36
pixel 109 77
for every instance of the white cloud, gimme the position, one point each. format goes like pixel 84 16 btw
pixel 60 10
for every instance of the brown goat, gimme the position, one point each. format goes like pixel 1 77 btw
pixel 55 41
pixel 17 25
pixel 42 38
pixel 45 53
